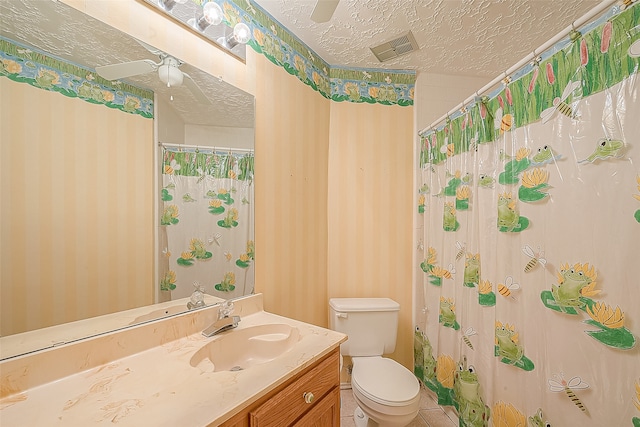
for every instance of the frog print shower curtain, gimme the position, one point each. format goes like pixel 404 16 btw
pixel 527 289
pixel 206 223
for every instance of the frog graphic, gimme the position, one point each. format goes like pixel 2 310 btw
pixel 508 217
pixel 486 181
pixel 605 149
pixel 538 420
pixel 424 362
pixel 449 221
pixel 544 155
pixel 448 313
pixel 507 345
pixel 472 270
pixel 186 197
pixel 573 283
pixel 509 220
pixel 471 408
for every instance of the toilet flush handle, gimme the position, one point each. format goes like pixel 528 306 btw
pixel 342 315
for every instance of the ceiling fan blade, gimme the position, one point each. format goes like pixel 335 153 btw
pixel 126 69
pixel 324 10
pixel 195 90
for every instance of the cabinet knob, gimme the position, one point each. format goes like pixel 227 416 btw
pixel 308 396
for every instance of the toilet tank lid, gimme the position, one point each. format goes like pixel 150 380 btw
pixel 363 304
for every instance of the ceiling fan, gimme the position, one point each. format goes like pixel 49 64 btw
pixel 168 69
pixel 323 10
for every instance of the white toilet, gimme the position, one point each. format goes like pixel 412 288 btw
pixel 387 393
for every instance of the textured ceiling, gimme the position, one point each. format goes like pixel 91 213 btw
pixel 479 38
pixel 68 34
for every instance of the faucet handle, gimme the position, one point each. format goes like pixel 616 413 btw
pixel 226 308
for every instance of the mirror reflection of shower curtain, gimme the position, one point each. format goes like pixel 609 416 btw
pixel 528 229
pixel 207 226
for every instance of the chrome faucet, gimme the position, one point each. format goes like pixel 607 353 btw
pixel 224 322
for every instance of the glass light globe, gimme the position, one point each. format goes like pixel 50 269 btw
pixel 241 32
pixel 212 13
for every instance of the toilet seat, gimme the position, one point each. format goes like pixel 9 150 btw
pixel 385 381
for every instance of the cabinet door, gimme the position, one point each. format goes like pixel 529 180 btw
pixel 325 414
pixel 292 402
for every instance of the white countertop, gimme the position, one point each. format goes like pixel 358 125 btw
pixel 159 387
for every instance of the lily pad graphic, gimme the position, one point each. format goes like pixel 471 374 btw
pixel 227 224
pixel 533 194
pixel 523 224
pixel 227 288
pixel 637 215
pixel 216 210
pixel 462 205
pixel 166 197
pixel 487 300
pixel 523 363
pixel 242 264
pixel 435 280
pixel 185 262
pixel 455 325
pixel 512 171
pixel 620 338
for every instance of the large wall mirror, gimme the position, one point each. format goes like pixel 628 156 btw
pixel 85 187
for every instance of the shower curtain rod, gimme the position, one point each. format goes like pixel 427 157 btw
pixel 205 147
pixel 561 35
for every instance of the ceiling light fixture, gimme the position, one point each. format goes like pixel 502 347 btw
pixel 168 5
pixel 241 34
pixel 208 19
pixel 169 74
pixel 211 15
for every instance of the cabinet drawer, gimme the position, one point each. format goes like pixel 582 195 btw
pixel 289 404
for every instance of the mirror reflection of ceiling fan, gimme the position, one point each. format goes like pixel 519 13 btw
pixel 168 69
pixel 323 11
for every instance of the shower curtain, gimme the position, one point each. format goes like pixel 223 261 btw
pixel 527 293
pixel 206 223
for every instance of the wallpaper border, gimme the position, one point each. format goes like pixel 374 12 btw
pixel 25 64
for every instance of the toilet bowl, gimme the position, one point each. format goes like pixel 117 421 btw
pixel 387 393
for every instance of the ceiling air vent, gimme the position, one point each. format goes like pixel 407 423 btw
pixel 404 44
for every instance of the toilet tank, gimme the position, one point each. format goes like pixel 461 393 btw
pixel 370 323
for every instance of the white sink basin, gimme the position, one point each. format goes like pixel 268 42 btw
pixel 240 349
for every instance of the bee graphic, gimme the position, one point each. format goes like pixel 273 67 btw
pixel 166 252
pixel 447 273
pixel 420 245
pixel 228 256
pixel 465 337
pixel 462 248
pixel 536 257
pixel 508 286
pixel 559 384
pixel 559 104
pixel 625 4
pixel 172 167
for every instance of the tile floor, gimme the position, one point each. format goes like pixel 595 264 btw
pixel 430 415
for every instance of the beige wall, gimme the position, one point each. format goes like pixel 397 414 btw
pixel 292 148
pixel 437 94
pixel 76 209
pixel 370 208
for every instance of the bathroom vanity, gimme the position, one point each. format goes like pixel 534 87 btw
pixel 269 371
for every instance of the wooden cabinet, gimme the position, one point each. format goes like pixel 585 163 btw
pixel 310 399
